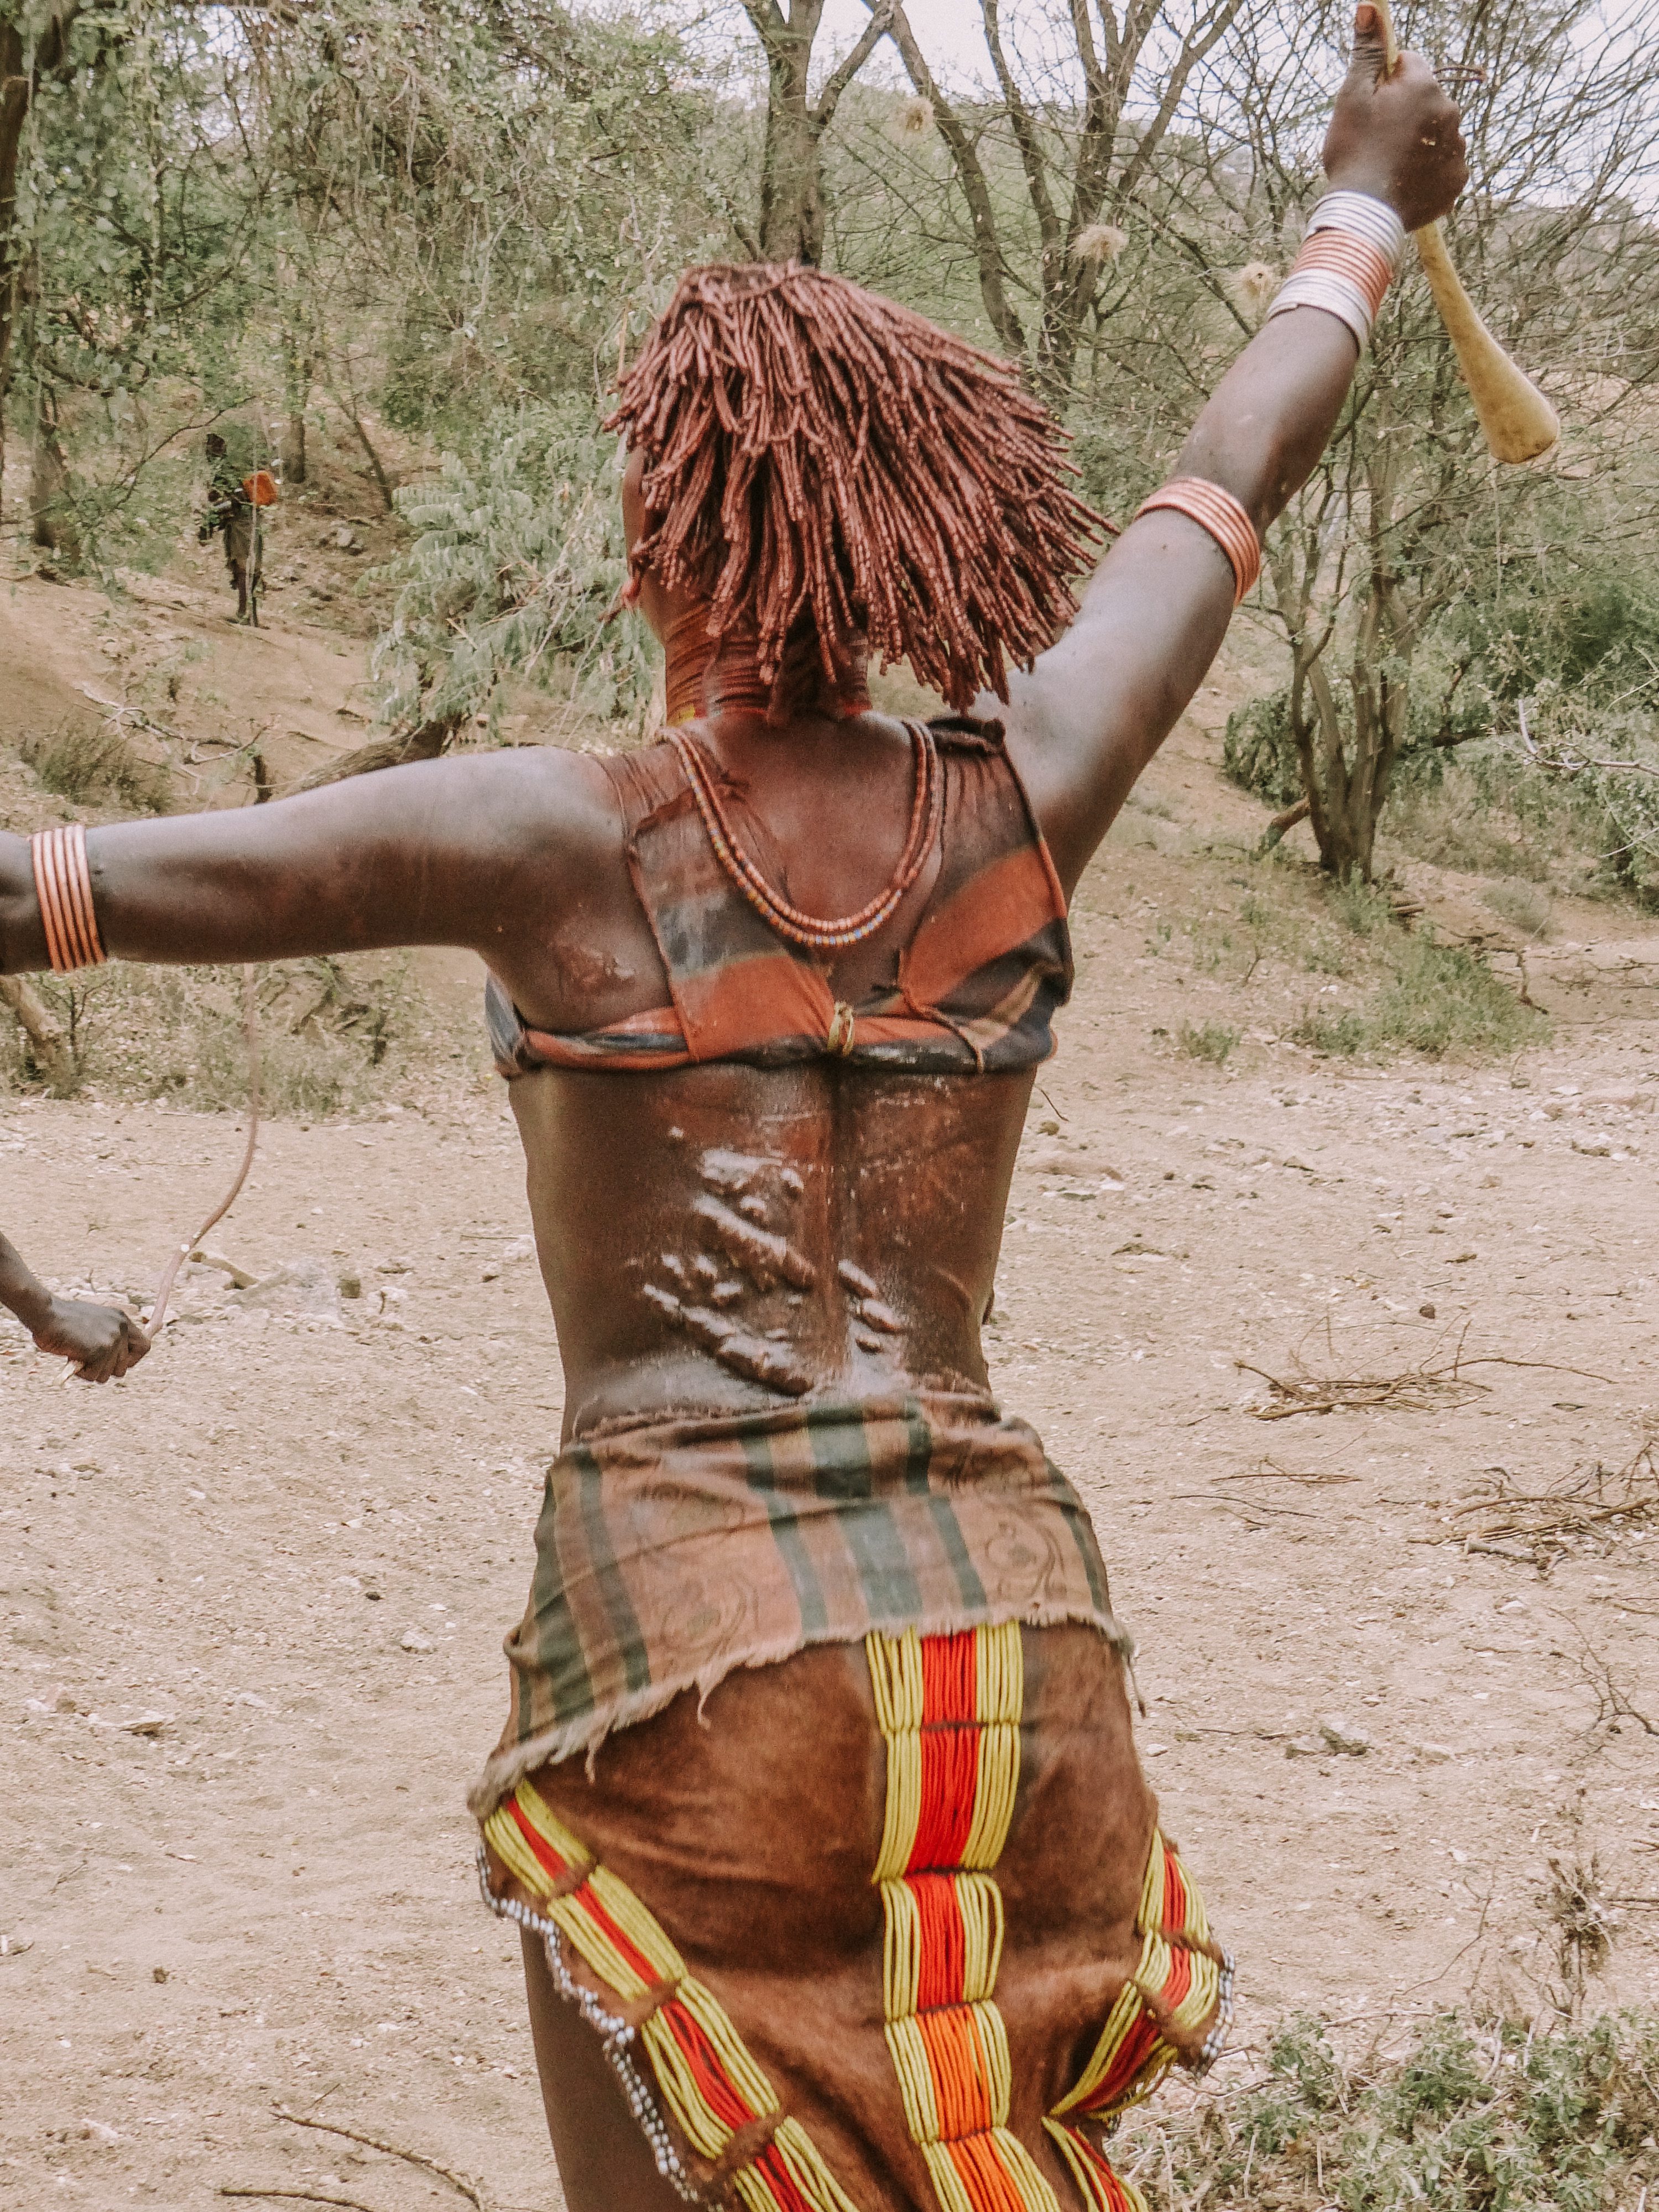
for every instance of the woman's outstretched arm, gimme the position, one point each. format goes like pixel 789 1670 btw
pixel 102 1341
pixel 459 852
pixel 1084 723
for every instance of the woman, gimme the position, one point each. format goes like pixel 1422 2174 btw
pixel 818 1808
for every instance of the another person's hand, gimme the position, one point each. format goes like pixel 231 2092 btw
pixel 1394 136
pixel 102 1341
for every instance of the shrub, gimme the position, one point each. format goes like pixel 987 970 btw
pixel 1259 753
pixel 1208 1041
pixel 1478 2115
pixel 89 762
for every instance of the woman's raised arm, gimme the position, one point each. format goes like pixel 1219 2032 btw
pixel 1083 723
pixel 455 852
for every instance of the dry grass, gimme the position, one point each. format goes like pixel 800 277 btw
pixel 91 764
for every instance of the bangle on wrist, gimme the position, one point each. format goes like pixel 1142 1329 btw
pixel 1349 254
pixel 62 885
pixel 1226 518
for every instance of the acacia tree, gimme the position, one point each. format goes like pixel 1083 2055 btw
pixel 1407 523
pixel 1127 298
pixel 791 224
pixel 1086 160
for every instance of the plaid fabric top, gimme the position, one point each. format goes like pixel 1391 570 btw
pixel 977 986
pixel 670 1553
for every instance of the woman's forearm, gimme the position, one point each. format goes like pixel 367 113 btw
pixel 1271 416
pixel 22 1288
pixel 23 932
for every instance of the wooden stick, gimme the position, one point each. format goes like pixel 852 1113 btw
pixel 158 1312
pixel 1518 423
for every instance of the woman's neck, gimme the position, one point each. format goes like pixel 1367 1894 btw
pixel 709 677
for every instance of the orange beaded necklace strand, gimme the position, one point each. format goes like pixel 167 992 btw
pixel 812 931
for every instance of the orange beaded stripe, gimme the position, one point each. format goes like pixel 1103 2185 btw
pixel 62 885
pixel 720 2099
pixel 949 1709
pixel 1226 519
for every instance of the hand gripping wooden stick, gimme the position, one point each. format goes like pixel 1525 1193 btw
pixel 1518 422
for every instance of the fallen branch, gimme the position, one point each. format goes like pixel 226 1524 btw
pixel 424 742
pixel 469 2189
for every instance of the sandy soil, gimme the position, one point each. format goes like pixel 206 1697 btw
pixel 252 1600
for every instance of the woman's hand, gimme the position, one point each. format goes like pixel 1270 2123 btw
pixel 102 1341
pixel 1394 136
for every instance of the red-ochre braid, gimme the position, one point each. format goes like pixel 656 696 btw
pixel 822 463
pixel 792 922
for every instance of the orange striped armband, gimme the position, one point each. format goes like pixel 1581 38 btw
pixel 709 2083
pixel 62 885
pixel 1226 519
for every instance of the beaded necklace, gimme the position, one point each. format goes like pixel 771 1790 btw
pixel 814 932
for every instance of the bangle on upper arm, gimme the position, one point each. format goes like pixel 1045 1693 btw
pixel 1349 255
pixel 62 883
pixel 1226 519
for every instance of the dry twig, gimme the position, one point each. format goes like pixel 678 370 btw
pixel 304 2196
pixel 1420 1389
pixel 1313 1478
pixel 1577 1504
pixel 469 2189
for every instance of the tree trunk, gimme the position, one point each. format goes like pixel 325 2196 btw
pixel 791 191
pixel 298 370
pixel 48 1045
pixel 292 451
pixel 51 509
pixel 21 69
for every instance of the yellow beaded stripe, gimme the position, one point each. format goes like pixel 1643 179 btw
pixel 951 2055
pixel 586 1886
pixel 1157 1968
pixel 1101 2188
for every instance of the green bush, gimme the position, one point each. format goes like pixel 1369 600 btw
pixel 1478 2115
pixel 1258 752
pixel 1208 1041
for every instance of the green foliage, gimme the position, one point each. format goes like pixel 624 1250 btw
pixel 1476 2116
pixel 517 558
pixel 1258 752
pixel 1208 1041
pixel 1438 999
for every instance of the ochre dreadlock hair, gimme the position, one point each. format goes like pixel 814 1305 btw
pixel 824 467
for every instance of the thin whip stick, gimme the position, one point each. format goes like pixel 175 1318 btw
pixel 158 1316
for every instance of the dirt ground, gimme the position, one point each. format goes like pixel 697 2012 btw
pixel 252 1599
